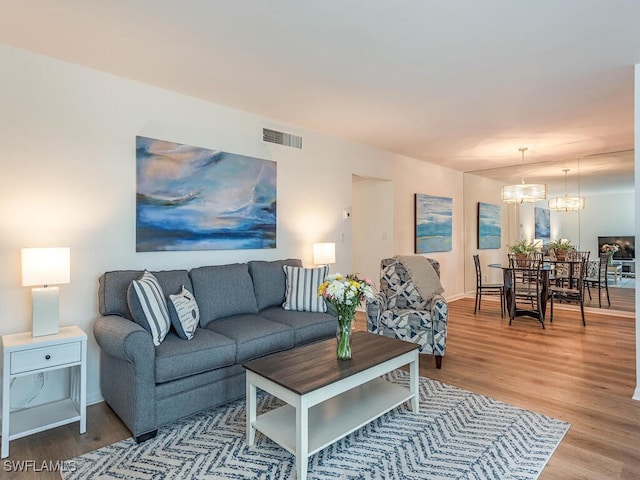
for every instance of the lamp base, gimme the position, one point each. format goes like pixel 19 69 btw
pixel 45 307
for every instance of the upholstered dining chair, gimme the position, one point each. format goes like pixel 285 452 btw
pixel 404 309
pixel 597 278
pixel 496 289
pixel 564 272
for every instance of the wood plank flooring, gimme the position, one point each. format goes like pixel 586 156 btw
pixel 582 375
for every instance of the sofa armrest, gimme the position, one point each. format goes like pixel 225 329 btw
pixel 128 372
pixel 124 339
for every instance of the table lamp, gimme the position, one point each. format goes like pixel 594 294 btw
pixel 324 253
pixel 45 267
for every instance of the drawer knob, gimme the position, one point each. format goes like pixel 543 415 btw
pixel 47 357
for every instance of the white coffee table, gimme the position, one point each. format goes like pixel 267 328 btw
pixel 326 398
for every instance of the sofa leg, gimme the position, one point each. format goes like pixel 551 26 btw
pixel 438 361
pixel 146 436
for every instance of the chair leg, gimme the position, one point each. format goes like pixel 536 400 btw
pixel 584 323
pixel 600 295
pixel 551 313
pixel 589 291
pixel 475 305
pixel 438 361
pixel 606 287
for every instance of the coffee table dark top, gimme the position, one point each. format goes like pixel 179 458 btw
pixel 307 368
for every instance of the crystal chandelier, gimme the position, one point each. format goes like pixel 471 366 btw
pixel 566 203
pixel 524 192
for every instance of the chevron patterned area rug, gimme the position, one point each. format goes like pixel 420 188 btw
pixel 457 434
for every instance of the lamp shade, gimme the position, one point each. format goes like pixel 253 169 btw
pixel 324 253
pixel 566 204
pixel 524 192
pixel 45 266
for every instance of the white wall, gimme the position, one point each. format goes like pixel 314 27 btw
pixel 68 162
pixel 480 189
pixel 372 226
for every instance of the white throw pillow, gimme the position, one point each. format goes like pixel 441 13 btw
pixel 148 306
pixel 184 313
pixel 302 289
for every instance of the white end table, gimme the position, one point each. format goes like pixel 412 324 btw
pixel 616 270
pixel 25 355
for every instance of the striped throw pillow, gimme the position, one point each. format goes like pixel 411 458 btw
pixel 302 289
pixel 149 307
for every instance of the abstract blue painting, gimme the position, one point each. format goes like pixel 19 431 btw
pixel 489 226
pixel 433 223
pixel 543 223
pixel 191 198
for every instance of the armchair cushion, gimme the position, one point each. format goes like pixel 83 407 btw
pixel 397 284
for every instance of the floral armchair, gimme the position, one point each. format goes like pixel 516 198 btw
pixel 400 311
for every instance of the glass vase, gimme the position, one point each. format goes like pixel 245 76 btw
pixel 343 337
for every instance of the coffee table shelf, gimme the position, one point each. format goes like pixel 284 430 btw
pixel 334 418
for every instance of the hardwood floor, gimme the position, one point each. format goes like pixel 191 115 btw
pixel 582 375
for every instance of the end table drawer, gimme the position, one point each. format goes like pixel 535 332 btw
pixel 44 357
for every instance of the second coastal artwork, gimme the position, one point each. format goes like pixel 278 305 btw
pixel 433 223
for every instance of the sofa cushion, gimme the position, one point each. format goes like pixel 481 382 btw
pixel 307 326
pixel 254 336
pixel 223 291
pixel 206 351
pixel 302 289
pixel 184 313
pixel 270 282
pixel 113 286
pixel 149 307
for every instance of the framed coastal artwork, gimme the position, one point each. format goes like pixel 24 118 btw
pixel 192 198
pixel 433 223
pixel 489 226
pixel 542 223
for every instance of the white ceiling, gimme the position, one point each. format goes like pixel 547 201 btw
pixel 461 83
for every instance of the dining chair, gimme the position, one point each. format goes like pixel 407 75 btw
pixel 597 278
pixel 486 288
pixel 565 272
pixel 573 292
pixel 527 287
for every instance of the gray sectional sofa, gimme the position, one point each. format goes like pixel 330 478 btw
pixel 241 318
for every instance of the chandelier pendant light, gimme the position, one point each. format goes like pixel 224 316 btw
pixel 524 192
pixel 566 203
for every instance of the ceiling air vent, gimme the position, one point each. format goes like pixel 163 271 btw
pixel 281 138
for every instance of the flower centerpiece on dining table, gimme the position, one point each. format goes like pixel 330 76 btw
pixel 343 294
pixel 609 249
